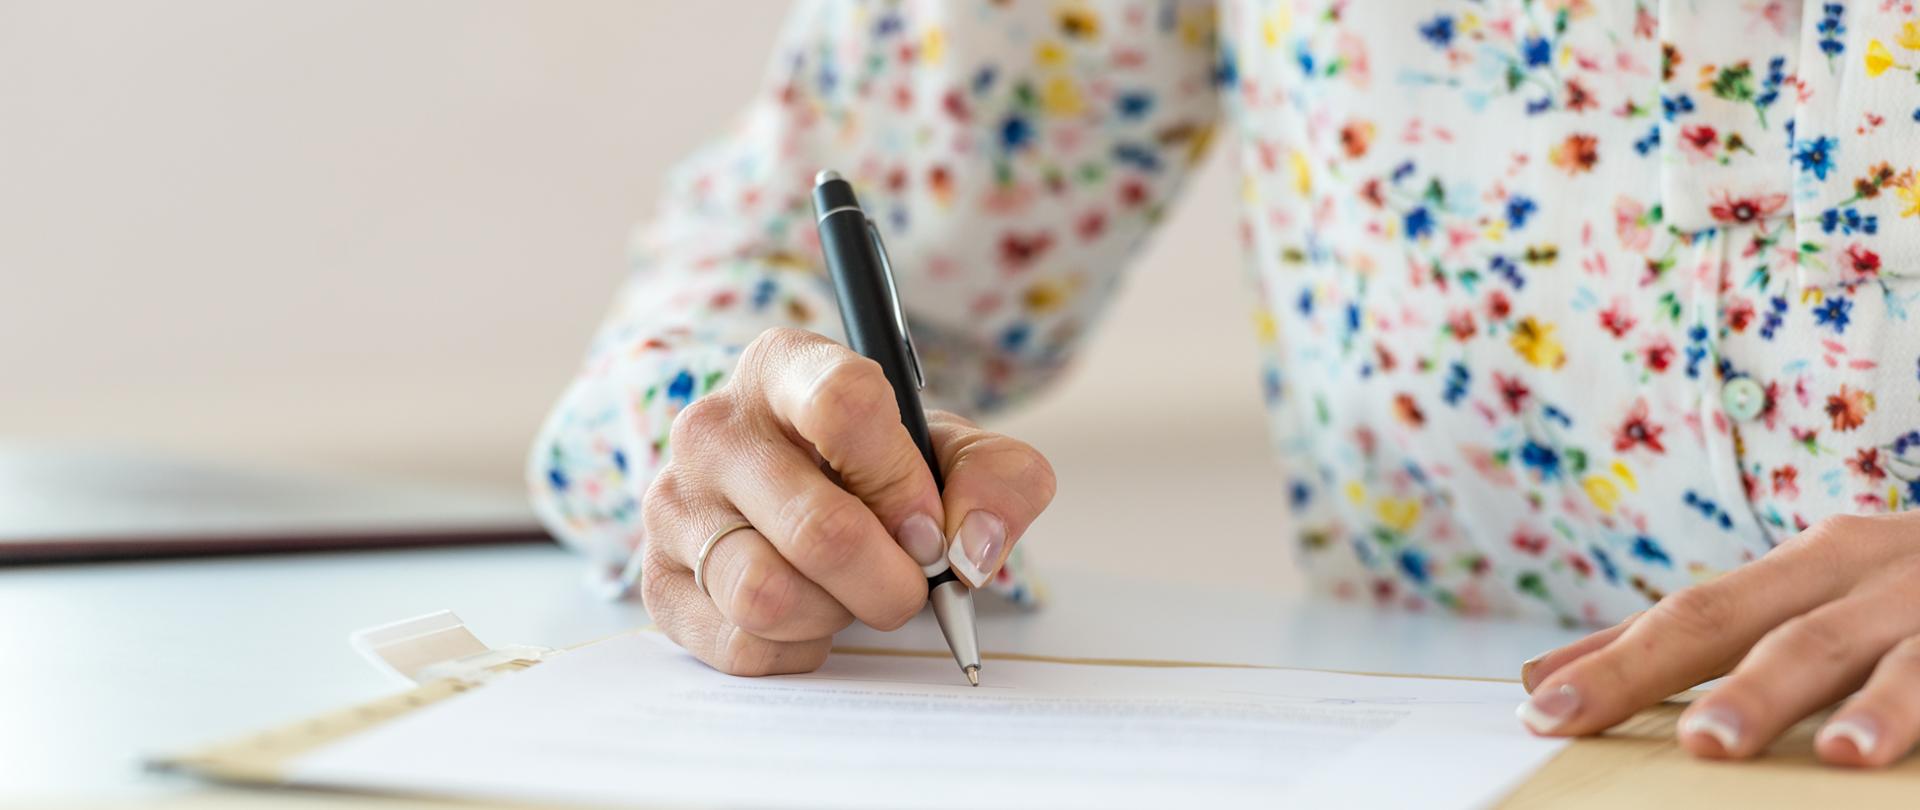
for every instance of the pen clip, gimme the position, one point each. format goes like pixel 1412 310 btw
pixel 899 313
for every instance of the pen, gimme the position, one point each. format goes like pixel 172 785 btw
pixel 877 328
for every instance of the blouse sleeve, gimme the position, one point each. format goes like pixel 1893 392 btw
pixel 1013 155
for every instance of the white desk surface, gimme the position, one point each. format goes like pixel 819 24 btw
pixel 102 664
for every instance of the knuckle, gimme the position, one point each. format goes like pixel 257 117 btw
pixel 1033 471
pixel 663 501
pixel 1812 640
pixel 822 532
pixel 773 345
pixel 851 393
pixel 655 573
pixel 701 424
pixel 1013 462
pixel 764 597
pixel 1698 612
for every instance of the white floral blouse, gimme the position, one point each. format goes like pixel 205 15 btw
pixel 1565 304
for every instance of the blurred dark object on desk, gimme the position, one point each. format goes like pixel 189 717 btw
pixel 76 503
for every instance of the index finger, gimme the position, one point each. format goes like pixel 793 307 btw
pixel 1690 637
pixel 829 536
pixel 841 405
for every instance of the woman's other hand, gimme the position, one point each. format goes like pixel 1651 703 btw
pixel 805 445
pixel 1832 614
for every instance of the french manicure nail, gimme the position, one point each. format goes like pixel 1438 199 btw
pixel 1719 722
pixel 1526 670
pixel 1859 729
pixel 975 550
pixel 1545 711
pixel 921 538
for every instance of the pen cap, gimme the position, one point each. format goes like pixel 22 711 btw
pixel 830 192
pixel 870 307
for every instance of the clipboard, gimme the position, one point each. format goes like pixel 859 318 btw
pixel 1637 764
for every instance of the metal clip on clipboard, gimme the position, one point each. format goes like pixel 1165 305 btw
pixel 439 646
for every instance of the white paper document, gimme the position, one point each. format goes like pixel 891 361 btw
pixel 636 721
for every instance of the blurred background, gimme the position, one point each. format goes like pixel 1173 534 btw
pixel 373 237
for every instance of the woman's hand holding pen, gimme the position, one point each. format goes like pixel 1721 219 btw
pixel 1832 614
pixel 804 446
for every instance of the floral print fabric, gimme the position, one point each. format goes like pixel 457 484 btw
pixel 1565 304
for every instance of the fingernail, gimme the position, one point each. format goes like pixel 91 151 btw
pixel 1859 729
pixel 921 537
pixel 1526 671
pixel 975 551
pixel 1719 722
pixel 1545 711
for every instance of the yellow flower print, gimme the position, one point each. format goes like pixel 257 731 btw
pixel 1910 36
pixel 1050 54
pixel 1079 23
pixel 1602 491
pixel 1061 97
pixel 1878 58
pixel 1907 188
pixel 933 45
pixel 1398 514
pixel 1277 24
pixel 1625 473
pixel 1046 296
pixel 1535 343
pixel 1265 328
pixel 1302 172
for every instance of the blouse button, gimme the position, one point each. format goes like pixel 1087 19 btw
pixel 1743 398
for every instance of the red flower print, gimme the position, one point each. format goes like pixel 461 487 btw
pixel 1699 141
pixel 1514 392
pixel 1356 137
pixel 1786 482
pixel 1638 431
pixel 1866 464
pixel 1133 193
pixel 1580 565
pixel 1740 314
pixel 956 105
pixel 1579 98
pixel 1091 225
pixel 1461 324
pixel 1658 354
pixel 940 182
pixel 1530 542
pixel 1577 154
pixel 1746 209
pixel 1848 408
pixel 1407 409
pixel 1370 192
pixel 1863 263
pixel 1615 319
pixel 1384 357
pixel 1498 307
pixel 1019 250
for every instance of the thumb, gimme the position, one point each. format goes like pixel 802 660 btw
pixel 995 487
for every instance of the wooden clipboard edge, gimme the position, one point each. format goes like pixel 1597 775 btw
pixel 261 758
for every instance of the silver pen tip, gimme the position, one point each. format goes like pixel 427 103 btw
pixel 973 674
pixel 825 175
